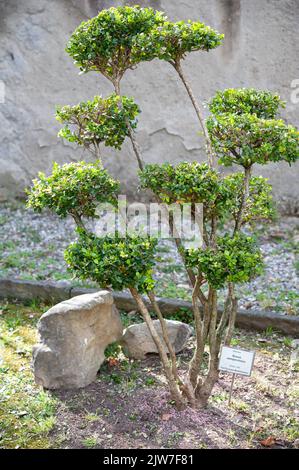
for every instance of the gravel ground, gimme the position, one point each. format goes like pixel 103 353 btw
pixel 32 245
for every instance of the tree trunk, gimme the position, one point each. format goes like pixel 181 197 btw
pixel 203 389
pixel 173 386
pixel 167 341
pixel 245 195
pixel 195 363
pixel 78 220
pixel 135 145
pixel 204 392
pixel 232 317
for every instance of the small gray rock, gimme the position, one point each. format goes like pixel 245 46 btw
pixel 73 337
pixel 137 341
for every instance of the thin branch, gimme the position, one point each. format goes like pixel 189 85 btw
pixel 195 363
pixel 78 219
pixel 232 318
pixel 177 239
pixel 226 313
pixel 246 182
pixel 178 67
pixel 203 389
pixel 213 231
pixel 135 145
pixel 173 386
pixel 207 313
pixel 152 297
pixel 213 323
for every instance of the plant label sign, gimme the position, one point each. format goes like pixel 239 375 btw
pixel 237 361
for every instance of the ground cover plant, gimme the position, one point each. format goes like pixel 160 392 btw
pixel 243 130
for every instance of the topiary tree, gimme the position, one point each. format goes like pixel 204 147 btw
pixel 264 104
pixel 105 43
pixel 102 120
pixel 73 189
pixel 242 130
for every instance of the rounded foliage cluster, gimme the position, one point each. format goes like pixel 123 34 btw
pixel 105 42
pixel 245 139
pixel 259 204
pixel 236 260
pixel 197 183
pixel 264 104
pixel 100 120
pixel 184 182
pixel 188 182
pixel 117 262
pixel 73 188
pixel 171 41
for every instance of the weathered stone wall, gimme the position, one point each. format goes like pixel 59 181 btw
pixel 261 50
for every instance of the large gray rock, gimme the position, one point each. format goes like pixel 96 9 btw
pixel 137 341
pixel 73 338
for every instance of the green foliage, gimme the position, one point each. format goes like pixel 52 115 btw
pixel 246 139
pixel 263 104
pixel 73 187
pixel 243 129
pixel 112 350
pixel 259 204
pixel 113 261
pixel 183 314
pixel 237 260
pixel 234 259
pixel 100 120
pixel 196 183
pixel 184 182
pixel 172 41
pixel 105 43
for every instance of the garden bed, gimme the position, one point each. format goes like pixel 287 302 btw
pixel 263 412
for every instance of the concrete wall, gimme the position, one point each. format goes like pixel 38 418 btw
pixel 261 50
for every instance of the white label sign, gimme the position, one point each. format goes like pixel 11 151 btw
pixel 237 361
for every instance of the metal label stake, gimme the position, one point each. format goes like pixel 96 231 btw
pixel 237 361
pixel 231 389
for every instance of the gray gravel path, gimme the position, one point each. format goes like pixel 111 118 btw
pixel 32 245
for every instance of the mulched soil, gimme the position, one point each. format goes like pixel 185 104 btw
pixel 128 407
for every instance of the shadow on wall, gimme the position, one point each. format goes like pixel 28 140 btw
pixel 230 11
pixel 91 8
